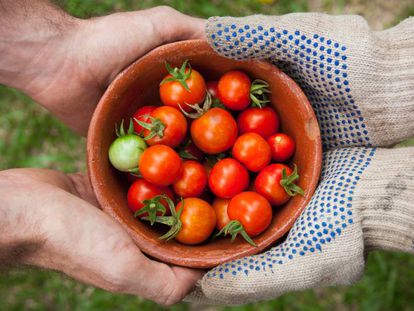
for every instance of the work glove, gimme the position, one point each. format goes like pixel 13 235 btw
pixel 361 86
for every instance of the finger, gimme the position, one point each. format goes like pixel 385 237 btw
pixel 83 188
pixel 168 285
pixel 77 184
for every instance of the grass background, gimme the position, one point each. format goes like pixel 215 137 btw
pixel 31 137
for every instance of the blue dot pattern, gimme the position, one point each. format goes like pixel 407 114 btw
pixel 318 64
pixel 326 217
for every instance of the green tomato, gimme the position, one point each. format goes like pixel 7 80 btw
pixel 125 152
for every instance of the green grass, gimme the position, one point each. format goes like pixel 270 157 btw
pixel 30 137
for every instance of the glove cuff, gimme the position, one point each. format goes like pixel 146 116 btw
pixel 385 200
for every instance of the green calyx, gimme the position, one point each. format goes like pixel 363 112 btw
pixel 135 171
pixel 234 227
pixel 172 221
pixel 152 207
pixel 288 182
pixel 184 154
pixel 259 91
pixel 179 74
pixel 155 127
pixel 199 111
pixel 212 159
pixel 121 131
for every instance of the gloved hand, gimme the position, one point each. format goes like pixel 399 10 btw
pixel 361 85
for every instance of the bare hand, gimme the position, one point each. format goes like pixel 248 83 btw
pixel 66 64
pixel 56 215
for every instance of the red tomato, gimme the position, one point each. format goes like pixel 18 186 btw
pixel 169 127
pixel 220 207
pixel 198 221
pixel 174 94
pixel 267 183
pixel 142 114
pixel 192 180
pixel 282 147
pixel 212 88
pixel 234 90
pixel 252 210
pixel 252 151
pixel 160 165
pixel 215 131
pixel 262 121
pixel 228 178
pixel 142 190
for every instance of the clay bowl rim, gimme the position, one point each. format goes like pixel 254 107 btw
pixel 156 251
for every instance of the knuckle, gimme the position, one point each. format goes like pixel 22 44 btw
pixel 164 10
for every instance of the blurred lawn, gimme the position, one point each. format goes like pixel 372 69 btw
pixel 29 136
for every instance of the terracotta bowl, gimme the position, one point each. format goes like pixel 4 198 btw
pixel 137 86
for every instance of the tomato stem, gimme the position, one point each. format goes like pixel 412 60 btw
pixel 234 227
pixel 173 221
pixel 152 206
pixel 212 159
pixel 135 171
pixel 178 74
pixel 287 182
pixel 186 155
pixel 199 110
pixel 121 131
pixel 156 127
pixel 259 91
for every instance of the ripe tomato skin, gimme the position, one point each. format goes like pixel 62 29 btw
pixel 142 190
pixel 267 184
pixel 252 210
pixel 220 207
pixel 262 121
pixel 234 90
pixel 212 88
pixel 160 165
pixel 142 115
pixel 192 180
pixel 282 146
pixel 198 221
pixel 228 178
pixel 253 151
pixel 215 131
pixel 174 94
pixel 175 127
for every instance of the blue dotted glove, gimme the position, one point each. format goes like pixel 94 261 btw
pixel 360 84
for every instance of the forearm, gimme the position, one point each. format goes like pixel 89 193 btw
pixel 30 32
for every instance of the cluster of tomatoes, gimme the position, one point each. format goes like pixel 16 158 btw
pixel 209 148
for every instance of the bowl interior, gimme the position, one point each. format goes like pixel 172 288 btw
pixel 137 86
